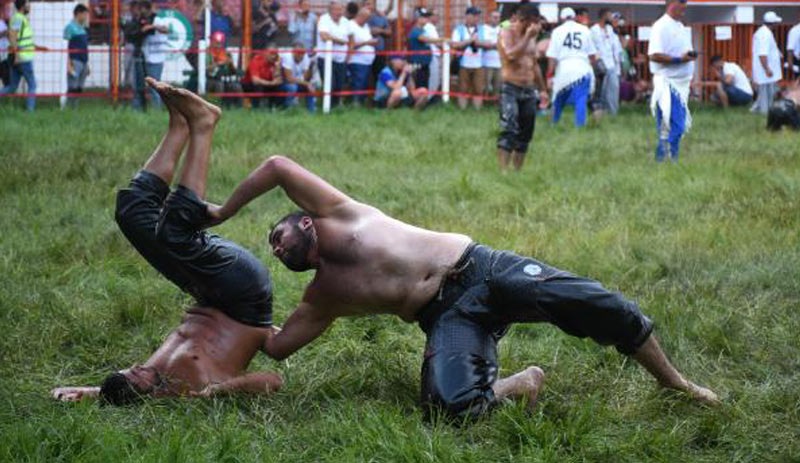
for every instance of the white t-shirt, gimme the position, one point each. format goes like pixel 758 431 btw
pixel 3 40
pixel 671 38
pixel 366 53
pixel 739 78
pixel 764 44
pixel 297 70
pixel 491 57
pixel 570 45
pixel 604 43
pixel 471 59
pixel 793 41
pixel 432 33
pixel 155 45
pixel 339 31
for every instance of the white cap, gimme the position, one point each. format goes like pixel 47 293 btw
pixel 771 18
pixel 567 13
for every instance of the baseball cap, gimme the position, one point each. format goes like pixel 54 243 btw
pixel 770 17
pixel 473 10
pixel 567 13
pixel 422 13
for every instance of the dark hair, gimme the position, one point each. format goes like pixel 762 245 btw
pixel 117 390
pixel 79 8
pixel 292 218
pixel 528 11
pixel 715 58
pixel 145 4
pixel 18 4
pixel 352 8
pixel 581 11
pixel 602 13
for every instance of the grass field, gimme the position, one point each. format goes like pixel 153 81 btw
pixel 708 247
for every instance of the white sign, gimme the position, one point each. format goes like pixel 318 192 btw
pixel 723 33
pixel 643 33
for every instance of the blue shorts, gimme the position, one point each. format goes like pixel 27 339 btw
pixel 737 96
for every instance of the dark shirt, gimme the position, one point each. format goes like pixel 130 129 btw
pixel 377 20
pixel 415 44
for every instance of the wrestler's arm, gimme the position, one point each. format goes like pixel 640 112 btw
pixel 311 193
pixel 304 325
pixel 262 382
pixel 515 51
pixel 75 394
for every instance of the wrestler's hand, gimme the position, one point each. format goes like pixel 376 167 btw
pixel 215 214
pixel 204 393
pixel 533 30
pixel 73 394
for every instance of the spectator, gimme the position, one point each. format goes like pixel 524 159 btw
pixel 5 67
pixel 223 77
pixel 134 36
pixel 432 37
pixel 733 87
pixel 379 28
pixel 220 21
pixel 608 48
pixel 77 36
pixel 491 57
pixel 418 44
pixel 570 53
pixel 471 79
pixel 786 109
pixel 672 64
pixel 155 47
pixel 793 50
pixel 265 23
pixel 582 16
pixel 333 26
pixel 767 70
pixel 351 10
pixel 298 72
pixel 130 27
pixel 21 44
pixel 303 25
pixel 363 45
pixel 396 86
pixel 264 75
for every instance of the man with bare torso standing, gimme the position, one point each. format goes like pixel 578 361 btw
pixel 518 95
pixel 463 295
pixel 210 350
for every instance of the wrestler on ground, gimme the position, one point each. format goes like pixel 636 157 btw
pixel 518 94
pixel 210 350
pixel 463 295
pixel 785 110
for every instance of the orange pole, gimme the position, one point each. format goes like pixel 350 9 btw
pixel 247 28
pixel 399 29
pixel 115 48
pixel 447 14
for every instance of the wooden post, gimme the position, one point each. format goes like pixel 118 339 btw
pixel 447 23
pixel 247 34
pixel 399 27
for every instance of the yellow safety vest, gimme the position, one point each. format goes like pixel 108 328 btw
pixel 25 46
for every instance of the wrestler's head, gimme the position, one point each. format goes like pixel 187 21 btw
pixel 129 385
pixel 528 14
pixel 294 241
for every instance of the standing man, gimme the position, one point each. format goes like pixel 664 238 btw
pixel 767 70
pixel 733 87
pixel 333 26
pixel 491 57
pixel 570 53
pixel 360 62
pixel 518 95
pixel 154 47
pixel 471 78
pixel 793 50
pixel 672 64
pixel 303 25
pixel 419 44
pixel 379 28
pixel 607 45
pixel 432 36
pixel 77 36
pixel 20 38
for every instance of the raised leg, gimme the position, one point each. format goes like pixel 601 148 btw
pixel 653 359
pixel 165 157
pixel 201 118
pixel 525 384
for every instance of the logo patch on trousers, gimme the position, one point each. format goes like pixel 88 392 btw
pixel 532 270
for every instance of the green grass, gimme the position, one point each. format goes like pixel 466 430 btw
pixel 708 247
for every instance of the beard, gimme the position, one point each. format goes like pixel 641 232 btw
pixel 296 258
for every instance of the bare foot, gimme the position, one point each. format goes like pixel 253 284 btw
pixel 197 111
pixel 534 380
pixel 701 394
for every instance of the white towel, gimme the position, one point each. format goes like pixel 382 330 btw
pixel 663 88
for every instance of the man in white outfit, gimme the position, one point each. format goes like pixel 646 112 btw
pixel 767 70
pixel 793 50
pixel 607 45
pixel 569 53
pixel 672 64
